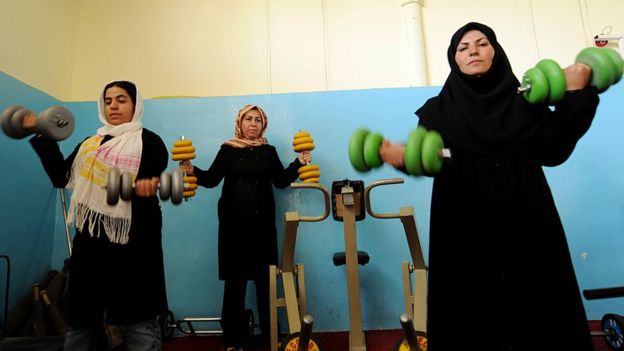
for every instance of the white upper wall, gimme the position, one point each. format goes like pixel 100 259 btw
pixel 38 41
pixel 70 48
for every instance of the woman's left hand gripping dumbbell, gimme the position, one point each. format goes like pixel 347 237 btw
pixel 304 157
pixel 187 167
pixel 392 153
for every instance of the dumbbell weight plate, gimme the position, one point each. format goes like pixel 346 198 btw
pixel 618 63
pixel 603 69
pixel 183 157
pixel 538 83
pixel 301 170
pixel 17 123
pixel 613 324
pixel 304 147
pixel 371 150
pixel 177 186
pixel 413 151
pixel 356 149
pixel 302 140
pixel 164 189
pixel 183 150
pixel 431 159
pixel 310 175
pixel 402 344
pixel 113 183
pixel 167 325
pixel 556 80
pixel 56 123
pixel 126 186
pixel 5 120
pixel 291 343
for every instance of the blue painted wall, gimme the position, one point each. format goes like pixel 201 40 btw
pixel 588 190
pixel 27 203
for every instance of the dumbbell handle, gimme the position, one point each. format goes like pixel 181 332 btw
pixel 523 88
pixel 158 186
pixel 180 161
pixel 30 122
pixel 445 153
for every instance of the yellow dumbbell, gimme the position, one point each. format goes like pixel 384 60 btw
pixel 302 141
pixel 184 150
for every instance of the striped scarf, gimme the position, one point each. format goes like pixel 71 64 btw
pixel 90 173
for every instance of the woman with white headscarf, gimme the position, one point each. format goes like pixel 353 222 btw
pixel 116 269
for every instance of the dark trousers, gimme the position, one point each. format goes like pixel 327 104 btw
pixel 234 320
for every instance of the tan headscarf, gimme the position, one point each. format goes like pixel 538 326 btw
pixel 239 140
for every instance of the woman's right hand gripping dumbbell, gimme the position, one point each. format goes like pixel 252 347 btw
pixel 547 82
pixel 146 187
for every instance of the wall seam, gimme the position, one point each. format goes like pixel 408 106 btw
pixel 71 96
pixel 268 48
pixel 585 20
pixel 325 44
pixel 533 30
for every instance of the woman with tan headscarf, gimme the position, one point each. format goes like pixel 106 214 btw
pixel 247 233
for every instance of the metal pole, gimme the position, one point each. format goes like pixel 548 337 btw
pixel 64 210
pixel 6 297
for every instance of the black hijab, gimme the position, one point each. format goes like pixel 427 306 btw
pixel 483 114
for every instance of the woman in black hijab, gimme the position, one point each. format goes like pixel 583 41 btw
pixel 500 272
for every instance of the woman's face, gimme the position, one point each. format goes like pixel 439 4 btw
pixel 118 106
pixel 251 124
pixel 474 53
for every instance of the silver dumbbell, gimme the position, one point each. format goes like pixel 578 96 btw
pixel 56 122
pixel 120 185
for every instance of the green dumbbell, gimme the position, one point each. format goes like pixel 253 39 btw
pixel 364 150
pixel 618 64
pixel 606 66
pixel 544 82
pixel 424 151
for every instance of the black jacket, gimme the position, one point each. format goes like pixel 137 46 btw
pixel 125 281
pixel 247 233
pixel 498 254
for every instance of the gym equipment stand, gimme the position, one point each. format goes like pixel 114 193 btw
pixel 294 296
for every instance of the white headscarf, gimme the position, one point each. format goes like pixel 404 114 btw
pixel 90 172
